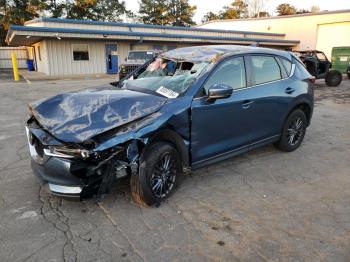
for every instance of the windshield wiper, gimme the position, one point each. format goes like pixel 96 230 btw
pixel 144 90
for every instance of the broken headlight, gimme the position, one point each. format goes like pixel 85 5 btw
pixel 65 152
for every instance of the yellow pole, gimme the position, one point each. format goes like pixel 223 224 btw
pixel 15 67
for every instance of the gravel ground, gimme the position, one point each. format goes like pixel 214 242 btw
pixel 262 205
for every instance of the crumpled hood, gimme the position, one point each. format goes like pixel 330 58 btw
pixel 78 116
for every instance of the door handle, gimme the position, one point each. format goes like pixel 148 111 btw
pixel 289 90
pixel 246 104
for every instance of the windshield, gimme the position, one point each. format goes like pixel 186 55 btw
pixel 140 55
pixel 166 77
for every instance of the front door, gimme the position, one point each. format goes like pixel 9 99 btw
pixel 112 59
pixel 224 124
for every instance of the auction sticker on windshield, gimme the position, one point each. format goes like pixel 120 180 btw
pixel 167 92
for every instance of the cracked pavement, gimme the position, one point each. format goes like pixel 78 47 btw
pixel 264 205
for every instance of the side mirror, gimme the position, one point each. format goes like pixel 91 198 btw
pixel 126 59
pixel 218 91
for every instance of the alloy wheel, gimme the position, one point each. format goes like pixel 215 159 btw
pixel 295 131
pixel 164 175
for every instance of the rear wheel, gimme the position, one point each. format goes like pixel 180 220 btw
pixel 348 75
pixel 159 174
pixel 293 131
pixel 333 78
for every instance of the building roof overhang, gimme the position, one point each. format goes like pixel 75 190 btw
pixel 28 35
pixel 131 26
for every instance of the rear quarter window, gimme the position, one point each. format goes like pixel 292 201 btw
pixel 287 65
pixel 300 70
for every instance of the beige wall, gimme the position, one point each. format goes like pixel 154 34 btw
pixel 332 35
pixel 301 27
pixel 60 58
pixel 57 57
pixel 41 60
pixel 5 56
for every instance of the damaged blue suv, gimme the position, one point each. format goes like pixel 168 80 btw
pixel 182 110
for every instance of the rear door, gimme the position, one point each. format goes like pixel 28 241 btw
pixel 272 93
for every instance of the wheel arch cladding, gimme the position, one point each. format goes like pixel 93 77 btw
pixel 172 137
pixel 306 108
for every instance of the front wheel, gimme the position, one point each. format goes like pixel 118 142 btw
pixel 333 78
pixel 158 174
pixel 293 131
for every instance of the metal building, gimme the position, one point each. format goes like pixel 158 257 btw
pixel 321 31
pixel 65 46
pixel 5 57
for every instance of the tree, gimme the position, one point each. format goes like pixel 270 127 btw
pixel 237 9
pixel 209 17
pixel 262 14
pixel 286 9
pixel 167 12
pixel 180 13
pixel 315 9
pixel 102 10
pixel 302 11
pixel 17 12
pixel 55 8
pixel 256 8
pixel 153 12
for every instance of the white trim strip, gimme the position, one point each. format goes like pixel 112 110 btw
pixel 65 189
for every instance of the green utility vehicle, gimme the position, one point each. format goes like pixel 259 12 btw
pixel 341 59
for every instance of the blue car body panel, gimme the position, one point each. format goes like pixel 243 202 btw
pixel 203 131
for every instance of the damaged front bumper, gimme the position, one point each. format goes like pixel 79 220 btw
pixel 78 174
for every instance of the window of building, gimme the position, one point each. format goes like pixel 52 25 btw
pixel 230 72
pixel 265 69
pixel 80 52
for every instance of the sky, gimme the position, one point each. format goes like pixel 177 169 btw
pixel 204 6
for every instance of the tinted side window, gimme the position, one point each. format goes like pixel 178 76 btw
pixel 230 72
pixel 287 65
pixel 265 69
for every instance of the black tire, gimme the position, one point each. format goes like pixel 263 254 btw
pixel 145 187
pixel 333 78
pixel 349 76
pixel 293 131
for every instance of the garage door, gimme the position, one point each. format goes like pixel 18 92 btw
pixel 332 35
